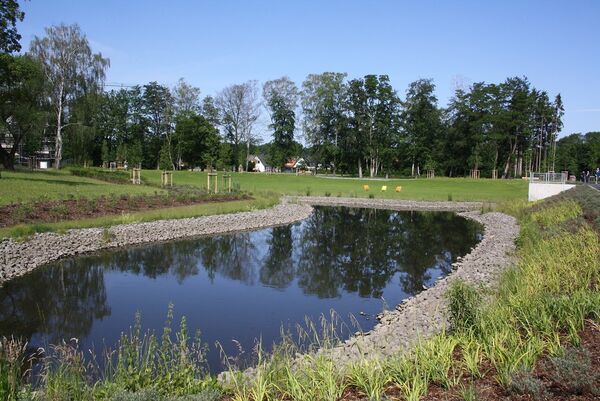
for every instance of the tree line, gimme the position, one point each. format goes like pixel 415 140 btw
pixel 56 93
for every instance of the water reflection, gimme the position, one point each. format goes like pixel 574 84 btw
pixel 244 284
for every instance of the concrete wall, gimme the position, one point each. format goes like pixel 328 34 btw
pixel 539 190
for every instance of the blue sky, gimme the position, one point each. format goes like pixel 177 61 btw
pixel 212 44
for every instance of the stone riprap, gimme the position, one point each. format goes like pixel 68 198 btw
pixel 389 204
pixel 18 258
pixel 426 313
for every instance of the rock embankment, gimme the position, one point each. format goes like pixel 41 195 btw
pixel 425 314
pixel 390 204
pixel 18 258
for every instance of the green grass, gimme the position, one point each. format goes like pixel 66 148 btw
pixel 259 201
pixel 23 186
pixel 438 189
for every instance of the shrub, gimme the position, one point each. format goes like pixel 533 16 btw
pixel 371 196
pixel 463 305
pixel 117 177
pixel 573 371
pixel 525 383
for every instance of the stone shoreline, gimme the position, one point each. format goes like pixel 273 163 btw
pixel 425 314
pixel 416 317
pixel 18 258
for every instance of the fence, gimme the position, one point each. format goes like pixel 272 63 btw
pixel 548 178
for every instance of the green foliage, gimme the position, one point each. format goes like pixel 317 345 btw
pixel 165 160
pixel 573 372
pixel 117 177
pixel 12 362
pixel 370 377
pixel 22 106
pixel 464 302
pixel 170 365
pixel 9 36
pixel 523 382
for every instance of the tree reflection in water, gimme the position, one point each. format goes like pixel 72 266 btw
pixel 338 254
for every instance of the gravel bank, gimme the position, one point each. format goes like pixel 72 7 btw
pixel 425 314
pixel 18 258
pixel 389 204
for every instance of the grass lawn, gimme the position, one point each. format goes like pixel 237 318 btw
pixel 259 202
pixel 438 189
pixel 25 186
pixel 22 186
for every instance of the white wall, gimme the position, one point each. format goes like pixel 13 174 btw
pixel 539 191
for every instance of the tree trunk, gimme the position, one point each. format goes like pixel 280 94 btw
pixel 359 168
pixel 507 164
pixel 8 158
pixel 58 144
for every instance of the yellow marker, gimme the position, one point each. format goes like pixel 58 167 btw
pixel 398 188
pixel 383 188
pixel 366 187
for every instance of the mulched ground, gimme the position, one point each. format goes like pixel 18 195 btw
pixel 50 211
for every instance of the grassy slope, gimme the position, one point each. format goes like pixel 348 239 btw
pixel 439 189
pixel 260 201
pixel 22 186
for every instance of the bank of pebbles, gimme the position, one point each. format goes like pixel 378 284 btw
pixel 421 315
pixel 425 314
pixel 18 258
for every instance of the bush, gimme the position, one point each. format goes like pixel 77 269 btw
pixel 463 305
pixel 525 383
pixel 573 371
pixel 117 177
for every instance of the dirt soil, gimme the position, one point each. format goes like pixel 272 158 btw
pixel 51 211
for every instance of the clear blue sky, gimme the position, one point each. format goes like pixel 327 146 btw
pixel 212 44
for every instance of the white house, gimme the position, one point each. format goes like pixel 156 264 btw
pixel 259 166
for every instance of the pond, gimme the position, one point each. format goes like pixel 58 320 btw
pixel 241 286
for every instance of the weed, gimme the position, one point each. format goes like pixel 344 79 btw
pixel 307 191
pixel 370 378
pixel 449 197
pixel 107 236
pixel 371 196
pixel 12 361
pixel 327 194
pixel 463 305
pixel 59 209
pixel 468 393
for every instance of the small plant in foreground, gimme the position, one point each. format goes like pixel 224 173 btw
pixel 370 378
pixel 307 191
pixel 573 371
pixel 463 305
pixel 468 393
pixel 523 382
pixel 12 359
pixel 328 194
pixel 449 197
pixel 371 196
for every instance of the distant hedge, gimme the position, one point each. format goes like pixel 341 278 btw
pixel 118 176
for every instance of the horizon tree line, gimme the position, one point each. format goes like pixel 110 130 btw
pixel 56 92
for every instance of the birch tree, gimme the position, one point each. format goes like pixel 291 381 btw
pixel 71 70
pixel 239 105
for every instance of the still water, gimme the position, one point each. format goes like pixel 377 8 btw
pixel 240 286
